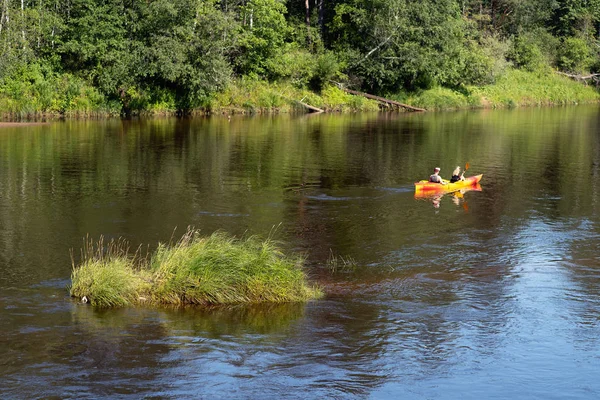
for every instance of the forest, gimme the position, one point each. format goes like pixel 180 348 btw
pixel 132 56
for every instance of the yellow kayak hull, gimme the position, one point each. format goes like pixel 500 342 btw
pixel 432 187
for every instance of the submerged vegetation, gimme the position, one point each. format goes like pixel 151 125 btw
pixel 214 270
pixel 92 57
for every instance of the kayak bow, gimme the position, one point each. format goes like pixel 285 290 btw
pixel 426 186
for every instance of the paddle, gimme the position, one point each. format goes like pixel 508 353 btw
pixel 467 165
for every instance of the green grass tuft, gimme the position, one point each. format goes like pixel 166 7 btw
pixel 214 270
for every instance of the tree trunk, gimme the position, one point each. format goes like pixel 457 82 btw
pixel 321 17
pixel 2 15
pixel 307 14
pixel 23 21
pixel 307 20
pixel 39 38
pixel 5 18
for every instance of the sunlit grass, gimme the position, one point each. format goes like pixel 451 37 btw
pixel 256 96
pixel 107 275
pixel 521 88
pixel 214 270
pixel 515 88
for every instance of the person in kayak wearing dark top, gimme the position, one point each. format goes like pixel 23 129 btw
pixel 456 177
pixel 436 178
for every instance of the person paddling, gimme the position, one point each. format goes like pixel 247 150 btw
pixel 456 177
pixel 436 178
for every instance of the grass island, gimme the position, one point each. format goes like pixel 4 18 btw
pixel 197 270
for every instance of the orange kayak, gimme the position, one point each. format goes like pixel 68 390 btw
pixel 432 187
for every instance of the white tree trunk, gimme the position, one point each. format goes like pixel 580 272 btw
pixel 23 21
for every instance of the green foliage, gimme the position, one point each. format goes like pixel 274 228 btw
pixel 522 88
pixel 254 96
pixel 213 270
pixel 326 69
pixel 572 17
pixel 164 56
pixel 534 51
pixel 335 99
pixel 37 89
pixel 484 61
pixel 526 54
pixel 402 43
pixel 512 89
pixel 440 98
pixel 575 55
pixel 250 96
pixel 265 29
pixel 294 64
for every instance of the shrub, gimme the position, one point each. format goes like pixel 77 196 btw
pixel 525 53
pixel 574 55
pixel 440 98
pixel 293 64
pixel 326 69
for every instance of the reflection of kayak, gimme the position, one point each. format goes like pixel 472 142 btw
pixel 428 194
pixel 432 187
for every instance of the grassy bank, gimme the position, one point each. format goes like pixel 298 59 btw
pixel 213 270
pixel 251 96
pixel 515 88
pixel 68 96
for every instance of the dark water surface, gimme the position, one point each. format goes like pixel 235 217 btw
pixel 493 295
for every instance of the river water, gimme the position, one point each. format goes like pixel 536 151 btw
pixel 489 294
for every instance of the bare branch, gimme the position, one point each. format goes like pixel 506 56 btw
pixel 373 50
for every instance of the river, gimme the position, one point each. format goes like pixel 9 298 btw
pixel 489 294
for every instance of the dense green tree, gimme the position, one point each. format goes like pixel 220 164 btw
pixel 181 52
pixel 265 31
pixel 399 43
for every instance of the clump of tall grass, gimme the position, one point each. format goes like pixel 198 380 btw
pixel 214 270
pixel 109 276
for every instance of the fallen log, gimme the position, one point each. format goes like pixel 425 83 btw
pixel 582 78
pixel 382 100
pixel 309 107
pixel 578 77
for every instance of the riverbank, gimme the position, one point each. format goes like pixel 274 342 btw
pixel 206 271
pixel 515 88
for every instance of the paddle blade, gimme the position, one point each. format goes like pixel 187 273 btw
pixel 467 165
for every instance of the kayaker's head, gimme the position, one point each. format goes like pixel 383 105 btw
pixel 436 170
pixel 456 171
